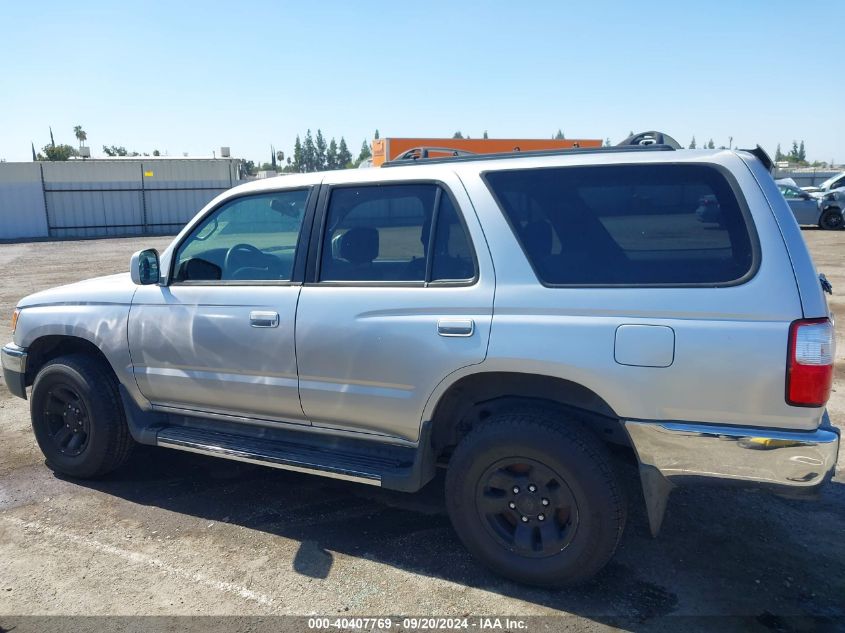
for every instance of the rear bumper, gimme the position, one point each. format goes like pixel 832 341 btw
pixel 13 360
pixel 787 462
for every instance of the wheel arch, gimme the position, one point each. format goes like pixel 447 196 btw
pixel 474 397
pixel 51 346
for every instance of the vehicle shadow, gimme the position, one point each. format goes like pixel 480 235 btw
pixel 742 554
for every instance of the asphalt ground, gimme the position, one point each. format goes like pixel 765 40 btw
pixel 176 534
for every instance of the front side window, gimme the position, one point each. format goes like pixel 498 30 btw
pixel 628 225
pixel 384 233
pixel 252 238
pixel 792 193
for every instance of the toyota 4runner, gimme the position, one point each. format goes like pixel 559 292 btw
pixel 510 318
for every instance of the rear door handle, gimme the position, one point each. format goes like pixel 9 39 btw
pixel 455 327
pixel 259 318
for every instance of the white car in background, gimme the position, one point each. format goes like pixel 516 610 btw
pixel 822 209
pixel 834 182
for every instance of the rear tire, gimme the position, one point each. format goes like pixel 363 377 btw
pixel 831 219
pixel 78 418
pixel 535 498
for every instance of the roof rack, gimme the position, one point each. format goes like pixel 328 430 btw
pixel 416 153
pixel 535 153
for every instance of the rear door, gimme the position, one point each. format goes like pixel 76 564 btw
pixel 399 296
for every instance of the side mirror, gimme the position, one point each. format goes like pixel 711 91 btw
pixel 144 268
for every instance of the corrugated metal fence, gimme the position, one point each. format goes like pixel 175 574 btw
pixel 108 197
pixel 806 177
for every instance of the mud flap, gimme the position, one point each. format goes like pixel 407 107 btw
pixel 656 489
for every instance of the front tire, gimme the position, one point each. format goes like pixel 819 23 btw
pixel 831 219
pixel 78 418
pixel 535 498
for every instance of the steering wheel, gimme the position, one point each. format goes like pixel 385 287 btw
pixel 239 250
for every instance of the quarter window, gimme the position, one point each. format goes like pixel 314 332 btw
pixel 253 238
pixel 384 233
pixel 629 225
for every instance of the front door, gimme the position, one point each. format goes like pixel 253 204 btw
pixel 401 297
pixel 804 207
pixel 219 338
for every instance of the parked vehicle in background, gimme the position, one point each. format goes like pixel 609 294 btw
pixel 389 149
pixel 834 182
pixel 824 211
pixel 517 319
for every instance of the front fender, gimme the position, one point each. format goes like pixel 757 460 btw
pixel 103 325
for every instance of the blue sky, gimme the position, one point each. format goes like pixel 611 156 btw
pixel 192 76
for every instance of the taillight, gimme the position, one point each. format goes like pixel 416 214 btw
pixel 809 371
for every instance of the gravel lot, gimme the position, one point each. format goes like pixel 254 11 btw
pixel 175 533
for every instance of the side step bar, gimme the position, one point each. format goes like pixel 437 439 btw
pixel 360 461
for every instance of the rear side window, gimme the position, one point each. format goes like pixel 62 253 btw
pixel 384 233
pixel 628 225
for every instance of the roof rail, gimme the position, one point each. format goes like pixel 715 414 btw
pixel 535 153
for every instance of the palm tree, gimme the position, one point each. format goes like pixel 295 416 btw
pixel 80 134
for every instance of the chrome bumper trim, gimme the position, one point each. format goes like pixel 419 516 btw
pixel 13 358
pixel 788 461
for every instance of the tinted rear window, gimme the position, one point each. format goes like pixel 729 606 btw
pixel 631 224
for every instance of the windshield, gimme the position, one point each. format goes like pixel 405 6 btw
pixel 838 179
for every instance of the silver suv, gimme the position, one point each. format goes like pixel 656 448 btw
pixel 519 320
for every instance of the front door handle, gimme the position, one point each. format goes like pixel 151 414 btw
pixel 455 327
pixel 259 318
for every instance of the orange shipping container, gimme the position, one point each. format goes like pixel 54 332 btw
pixel 385 149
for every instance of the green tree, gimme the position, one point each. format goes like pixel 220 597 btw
pixel 344 156
pixel 80 134
pixel 457 134
pixel 156 152
pixel 485 135
pixel 114 150
pixel 320 154
pixel 711 144
pixel 247 167
pixel 802 155
pixel 309 153
pixel 692 143
pixel 298 166
pixel 376 134
pixel 779 154
pixel 54 152
pixel 559 136
pixel 331 155
pixel 364 154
